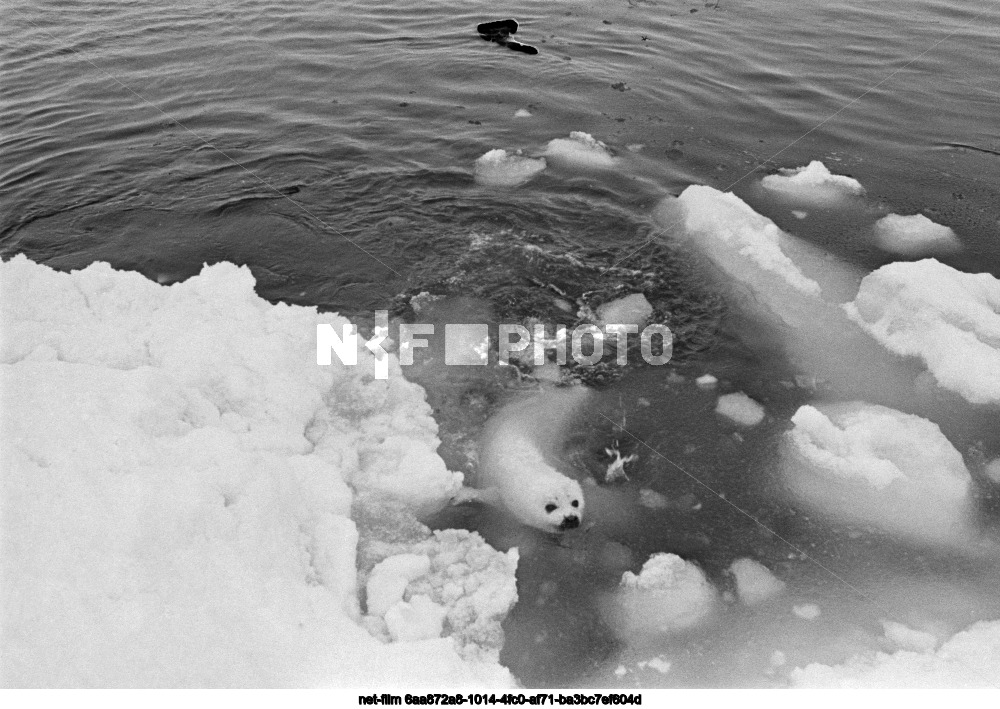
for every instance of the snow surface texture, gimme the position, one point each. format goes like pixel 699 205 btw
pixel 969 659
pixel 813 183
pixel 873 465
pixel 740 409
pixel 498 168
pixel 755 584
pixel 914 236
pixel 949 319
pixel 581 150
pixel 668 595
pixel 177 493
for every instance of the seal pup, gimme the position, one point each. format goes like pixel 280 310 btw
pixel 518 445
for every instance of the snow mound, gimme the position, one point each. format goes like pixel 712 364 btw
pixel 755 584
pixel 969 659
pixel 740 409
pixel 177 489
pixel 499 168
pixel 949 319
pixel 914 236
pixel 813 183
pixel 668 595
pixel 581 150
pixel 873 465
pixel 744 244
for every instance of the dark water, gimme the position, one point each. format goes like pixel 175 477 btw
pixel 329 146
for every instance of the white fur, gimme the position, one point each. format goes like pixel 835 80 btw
pixel 513 462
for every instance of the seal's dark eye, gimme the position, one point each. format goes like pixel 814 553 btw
pixel 550 507
pixel 576 503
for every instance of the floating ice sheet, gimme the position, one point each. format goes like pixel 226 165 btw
pixel 813 183
pixel 914 236
pixel 499 168
pixel 947 318
pixel 581 150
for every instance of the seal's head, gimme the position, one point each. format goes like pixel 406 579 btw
pixel 556 504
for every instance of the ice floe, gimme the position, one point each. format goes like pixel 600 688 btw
pixel 706 381
pixel 947 318
pixel 744 244
pixel 499 168
pixel 581 150
pixel 755 584
pixel 740 409
pixel 813 183
pixel 631 309
pixel 914 236
pixel 876 466
pixel 180 487
pixel 668 595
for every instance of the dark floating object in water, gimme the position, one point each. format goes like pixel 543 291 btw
pixel 504 27
pixel 499 31
pixel 518 47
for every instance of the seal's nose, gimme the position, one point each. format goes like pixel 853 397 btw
pixel 570 522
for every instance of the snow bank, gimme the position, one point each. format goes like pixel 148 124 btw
pixel 740 409
pixel 949 319
pixel 668 595
pixel 915 235
pixel 873 465
pixel 581 150
pixel 969 659
pixel 755 584
pixel 813 183
pixel 498 168
pixel 178 476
